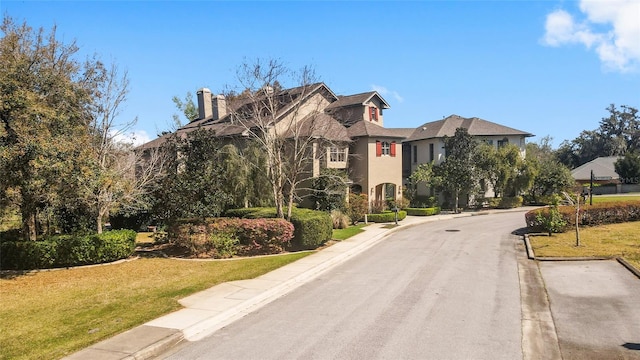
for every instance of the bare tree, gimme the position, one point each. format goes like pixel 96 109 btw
pixel 121 176
pixel 283 122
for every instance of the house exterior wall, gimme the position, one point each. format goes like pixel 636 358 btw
pixel 315 104
pixel 423 153
pixel 371 171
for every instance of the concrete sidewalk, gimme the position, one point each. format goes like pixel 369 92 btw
pixel 209 310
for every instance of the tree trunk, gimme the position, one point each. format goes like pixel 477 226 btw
pixel 28 212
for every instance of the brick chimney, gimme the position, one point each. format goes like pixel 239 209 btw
pixel 205 104
pixel 219 107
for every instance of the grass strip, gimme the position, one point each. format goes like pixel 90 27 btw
pixel 48 315
pixel 343 234
pixel 611 240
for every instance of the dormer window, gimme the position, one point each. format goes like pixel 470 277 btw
pixel 373 113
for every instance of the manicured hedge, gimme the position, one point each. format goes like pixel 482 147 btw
pixel 590 215
pixel 67 250
pixel 386 216
pixel 422 211
pixel 225 237
pixel 510 202
pixel 311 228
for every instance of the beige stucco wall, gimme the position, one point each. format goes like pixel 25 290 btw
pixel 439 153
pixel 315 104
pixel 369 170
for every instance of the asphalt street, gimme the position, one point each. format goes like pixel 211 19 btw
pixel 441 290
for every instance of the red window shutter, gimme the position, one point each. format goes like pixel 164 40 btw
pixel 370 115
pixel 378 148
pixel 393 148
pixel 377 115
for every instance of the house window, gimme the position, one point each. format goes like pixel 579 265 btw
pixel 415 154
pixel 337 154
pixel 385 148
pixel 503 142
pixel 431 154
pixel 373 113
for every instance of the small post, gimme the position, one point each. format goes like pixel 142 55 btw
pixel 591 189
pixel 395 210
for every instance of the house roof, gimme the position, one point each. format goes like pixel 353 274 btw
pixel 357 99
pixel 475 126
pixel 603 167
pixel 365 128
pixel 322 126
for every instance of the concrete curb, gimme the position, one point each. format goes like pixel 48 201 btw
pixel 531 255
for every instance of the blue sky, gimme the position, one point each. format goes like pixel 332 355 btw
pixel 545 67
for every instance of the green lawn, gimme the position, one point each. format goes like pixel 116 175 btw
pixel 607 240
pixel 48 315
pixel 609 198
pixel 343 234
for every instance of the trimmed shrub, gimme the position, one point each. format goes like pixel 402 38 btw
pixel 422 211
pixel 67 250
pixel 509 202
pixel 387 216
pixel 312 228
pixel 225 237
pixel 590 215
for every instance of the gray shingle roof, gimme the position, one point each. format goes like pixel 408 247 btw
pixel 475 126
pixel 357 99
pixel 365 128
pixel 602 167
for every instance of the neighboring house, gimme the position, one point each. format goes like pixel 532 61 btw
pixel 426 143
pixel 602 173
pixel 348 133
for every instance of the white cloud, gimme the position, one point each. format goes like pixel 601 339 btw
pixel 135 137
pixel 386 92
pixel 611 28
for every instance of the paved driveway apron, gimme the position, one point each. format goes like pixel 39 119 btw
pixel 442 290
pixel 596 309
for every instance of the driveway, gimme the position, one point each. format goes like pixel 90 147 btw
pixel 595 307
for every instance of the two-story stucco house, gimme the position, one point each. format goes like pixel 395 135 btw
pixel 426 143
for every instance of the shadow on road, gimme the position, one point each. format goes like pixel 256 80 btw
pixel 631 346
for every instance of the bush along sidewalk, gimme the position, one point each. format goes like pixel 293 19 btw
pixel 386 216
pixel 422 211
pixel 311 228
pixel 67 250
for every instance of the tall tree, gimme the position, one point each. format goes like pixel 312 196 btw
pixel 188 110
pixel 550 176
pixel 44 95
pixel 286 141
pixel 195 182
pixel 628 168
pixel 617 134
pixel 458 173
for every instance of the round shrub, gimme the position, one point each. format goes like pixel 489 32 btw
pixel 311 228
pixel 67 250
